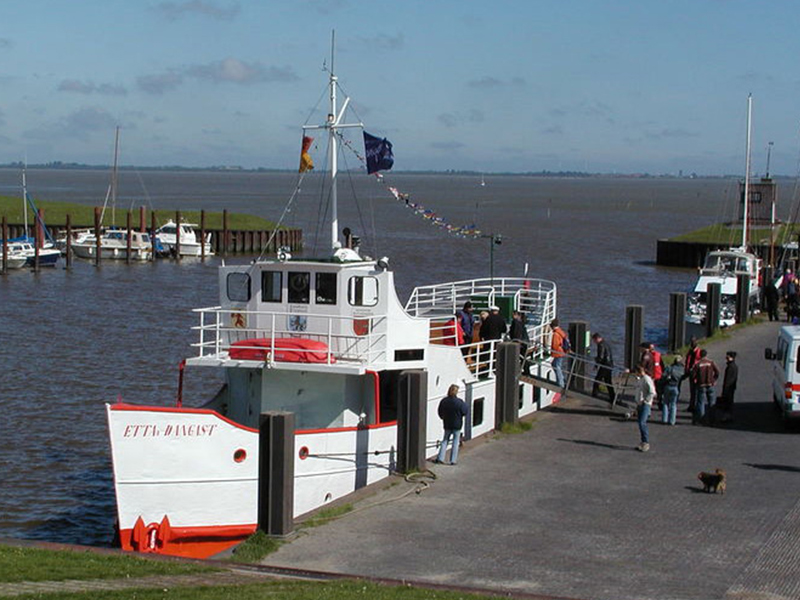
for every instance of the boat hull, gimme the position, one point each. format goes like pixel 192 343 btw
pixel 89 251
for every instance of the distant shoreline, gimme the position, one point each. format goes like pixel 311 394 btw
pixel 57 165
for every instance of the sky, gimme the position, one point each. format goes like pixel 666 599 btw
pixel 610 86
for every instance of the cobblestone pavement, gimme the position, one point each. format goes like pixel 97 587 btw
pixel 570 508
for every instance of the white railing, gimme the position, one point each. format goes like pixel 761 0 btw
pixel 345 339
pixel 535 297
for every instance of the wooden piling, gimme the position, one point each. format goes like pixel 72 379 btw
pixel 68 256
pixel 5 246
pixel 153 240
pixel 37 240
pixel 142 223
pixel 202 235
pixel 128 246
pixel 178 235
pixel 97 236
pixel 224 232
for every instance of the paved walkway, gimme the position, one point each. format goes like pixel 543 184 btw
pixel 570 509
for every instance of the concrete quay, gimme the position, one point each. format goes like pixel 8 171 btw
pixel 570 509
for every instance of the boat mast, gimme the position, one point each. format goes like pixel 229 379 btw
pixel 745 214
pixel 114 178
pixel 333 124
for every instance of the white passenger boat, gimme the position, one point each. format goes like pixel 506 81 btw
pixel 326 340
pixel 189 243
pixel 114 245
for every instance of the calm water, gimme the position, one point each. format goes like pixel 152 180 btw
pixel 74 340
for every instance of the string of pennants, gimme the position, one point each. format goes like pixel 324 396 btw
pixel 378 158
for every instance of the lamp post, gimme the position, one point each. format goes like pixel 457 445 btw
pixel 495 239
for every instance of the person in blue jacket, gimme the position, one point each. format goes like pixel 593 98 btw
pixel 452 411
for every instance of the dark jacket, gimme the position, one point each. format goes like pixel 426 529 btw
pixel 466 324
pixel 705 372
pixel 518 331
pixel 452 411
pixel 493 327
pixel 729 380
pixel 604 357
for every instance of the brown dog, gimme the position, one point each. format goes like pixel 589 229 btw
pixel 713 482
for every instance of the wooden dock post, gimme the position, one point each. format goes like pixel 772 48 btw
pixel 128 246
pixel 742 298
pixel 178 235
pixel 37 240
pixel 713 302
pixel 507 384
pixel 153 240
pixel 142 222
pixel 68 255
pixel 224 232
pixel 634 332
pixel 579 339
pixel 202 235
pixel 97 235
pixel 5 246
pixel 412 416
pixel 276 473
pixel 676 336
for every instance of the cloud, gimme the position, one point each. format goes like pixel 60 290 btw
pixel 2 118
pixel 553 130
pixel 671 133
pixel 447 145
pixel 228 70
pixel 488 82
pixel 327 7
pixel 447 119
pixel 89 87
pixel 78 125
pixel 232 70
pixel 5 43
pixel 177 10
pixel 160 83
pixel 383 42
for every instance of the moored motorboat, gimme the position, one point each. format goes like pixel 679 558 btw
pixel 114 245
pixel 26 252
pixel 190 245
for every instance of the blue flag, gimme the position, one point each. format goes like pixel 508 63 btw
pixel 379 153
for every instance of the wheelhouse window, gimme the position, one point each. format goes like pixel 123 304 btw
pixel 238 287
pixel 325 286
pixel 271 285
pixel 299 287
pixel 362 291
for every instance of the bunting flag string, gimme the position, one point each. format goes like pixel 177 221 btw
pixel 469 231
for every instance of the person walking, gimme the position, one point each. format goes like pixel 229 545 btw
pixel 559 346
pixel 771 300
pixel 704 374
pixel 452 411
pixel 492 328
pixel 645 394
pixel 604 361
pixel 729 380
pixel 671 389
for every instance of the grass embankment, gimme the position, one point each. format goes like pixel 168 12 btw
pixel 82 215
pixel 724 235
pixel 33 564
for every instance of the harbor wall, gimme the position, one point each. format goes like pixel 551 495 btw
pixel 690 255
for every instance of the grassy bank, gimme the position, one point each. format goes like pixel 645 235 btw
pixel 39 565
pixel 82 215
pixel 724 235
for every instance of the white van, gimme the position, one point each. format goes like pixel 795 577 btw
pixel 786 372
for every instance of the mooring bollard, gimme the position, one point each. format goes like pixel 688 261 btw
pixel 677 321
pixel 713 300
pixel 634 334
pixel 507 384
pixel 276 473
pixel 579 340
pixel 742 298
pixel 412 416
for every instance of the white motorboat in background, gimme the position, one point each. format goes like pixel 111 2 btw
pixel 114 245
pixel 189 243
